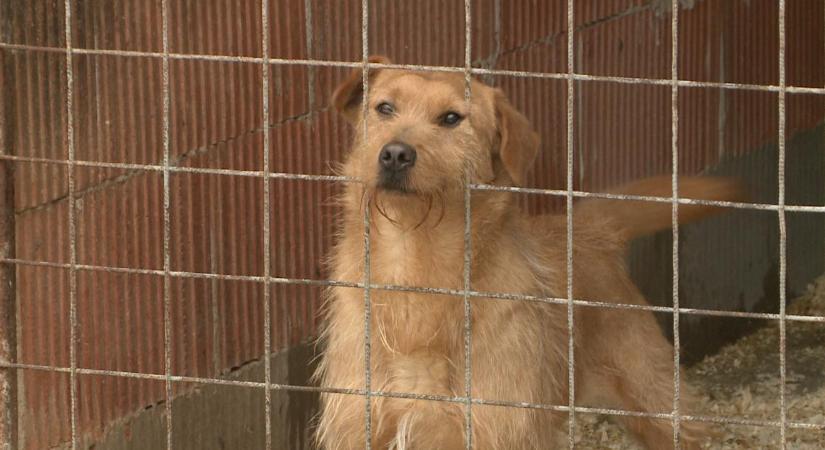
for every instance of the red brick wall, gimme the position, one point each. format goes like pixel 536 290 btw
pixel 621 132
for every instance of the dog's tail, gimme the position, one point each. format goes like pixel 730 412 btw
pixel 639 217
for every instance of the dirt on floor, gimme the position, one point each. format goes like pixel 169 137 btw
pixel 742 381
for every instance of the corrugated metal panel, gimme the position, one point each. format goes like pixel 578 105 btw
pixel 335 30
pixel 41 23
pixel 700 42
pixel 121 25
pixel 334 34
pixel 623 133
pixel 291 93
pixel 529 22
pixel 38 81
pixel 216 224
pixel 43 317
pixel 700 137
pixel 109 129
pixel 42 232
pixel 8 308
pixel 751 39
pixel 413 33
pixel 486 32
pixel 533 36
pixel 805 26
pixel 288 28
pixel 594 12
pixel 804 111
pixel 228 27
pixel 700 124
pixel 121 225
pixel 44 313
pixel 635 45
pixel 216 228
pixel 216 106
pixel 548 55
pixel 119 330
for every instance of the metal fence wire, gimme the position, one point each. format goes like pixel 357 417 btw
pixel 170 165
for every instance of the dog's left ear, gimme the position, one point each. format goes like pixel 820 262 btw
pixel 349 94
pixel 519 144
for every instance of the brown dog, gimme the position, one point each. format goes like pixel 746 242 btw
pixel 423 141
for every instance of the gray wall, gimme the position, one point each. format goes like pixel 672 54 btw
pixel 731 261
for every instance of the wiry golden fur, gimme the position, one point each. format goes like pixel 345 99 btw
pixel 519 348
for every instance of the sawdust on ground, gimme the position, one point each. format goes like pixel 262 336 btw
pixel 742 381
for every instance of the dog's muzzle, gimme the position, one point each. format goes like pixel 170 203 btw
pixel 395 161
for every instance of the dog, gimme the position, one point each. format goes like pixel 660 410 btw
pixel 423 143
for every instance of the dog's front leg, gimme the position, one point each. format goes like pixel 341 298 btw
pixel 341 425
pixel 418 423
pixel 396 423
pixel 402 424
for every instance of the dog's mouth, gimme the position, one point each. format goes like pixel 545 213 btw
pixel 394 182
pixel 400 204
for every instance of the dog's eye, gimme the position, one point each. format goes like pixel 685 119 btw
pixel 385 109
pixel 450 119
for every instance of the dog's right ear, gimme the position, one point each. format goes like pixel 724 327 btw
pixel 349 94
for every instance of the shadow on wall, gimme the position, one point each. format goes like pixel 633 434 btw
pixel 731 262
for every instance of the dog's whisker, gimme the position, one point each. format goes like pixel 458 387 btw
pixel 361 202
pixel 443 208
pixel 382 211
pixel 427 213
pixel 372 201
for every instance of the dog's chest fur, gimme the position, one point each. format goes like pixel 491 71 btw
pixel 415 258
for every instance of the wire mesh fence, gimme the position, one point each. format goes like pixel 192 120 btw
pixel 171 164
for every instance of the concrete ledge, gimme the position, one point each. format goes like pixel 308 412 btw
pixel 227 417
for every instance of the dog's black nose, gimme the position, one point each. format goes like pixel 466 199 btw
pixel 397 156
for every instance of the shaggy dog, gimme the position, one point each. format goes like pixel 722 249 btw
pixel 423 143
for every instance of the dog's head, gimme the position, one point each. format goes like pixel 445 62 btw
pixel 422 136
